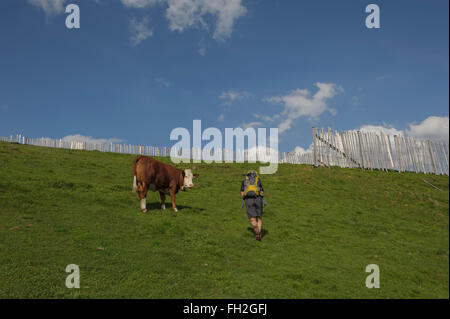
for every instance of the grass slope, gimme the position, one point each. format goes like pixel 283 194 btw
pixel 322 227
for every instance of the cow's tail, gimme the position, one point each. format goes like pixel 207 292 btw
pixel 133 171
pixel 134 184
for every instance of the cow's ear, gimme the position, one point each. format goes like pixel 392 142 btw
pixel 195 175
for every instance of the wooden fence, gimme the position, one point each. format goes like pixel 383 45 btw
pixel 352 149
pixel 102 147
pixel 158 151
pixel 368 150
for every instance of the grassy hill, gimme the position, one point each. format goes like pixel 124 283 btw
pixel 322 228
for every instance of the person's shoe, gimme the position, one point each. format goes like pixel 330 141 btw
pixel 257 234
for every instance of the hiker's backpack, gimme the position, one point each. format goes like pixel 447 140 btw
pixel 251 185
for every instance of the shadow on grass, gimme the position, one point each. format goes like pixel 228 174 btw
pixel 157 206
pixel 264 232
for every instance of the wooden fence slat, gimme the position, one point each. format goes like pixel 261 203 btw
pixel 314 132
pixel 398 153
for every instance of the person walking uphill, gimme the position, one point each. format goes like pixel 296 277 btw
pixel 251 193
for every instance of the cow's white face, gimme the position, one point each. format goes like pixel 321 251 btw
pixel 188 177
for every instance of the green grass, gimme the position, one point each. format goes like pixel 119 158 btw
pixel 323 226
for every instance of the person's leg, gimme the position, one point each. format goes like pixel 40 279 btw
pixel 251 213
pixel 256 228
pixel 259 211
pixel 259 222
pixel 254 223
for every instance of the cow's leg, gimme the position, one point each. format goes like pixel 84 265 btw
pixel 172 196
pixel 163 200
pixel 143 189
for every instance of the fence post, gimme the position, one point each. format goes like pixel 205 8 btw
pixel 408 152
pixel 361 159
pixel 388 142
pixel 398 154
pixel 380 151
pixel 412 143
pixel 432 158
pixel 314 146
pixel 445 157
pixel 422 155
pixel 438 165
pixel 328 147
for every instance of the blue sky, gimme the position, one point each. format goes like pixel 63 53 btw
pixel 136 69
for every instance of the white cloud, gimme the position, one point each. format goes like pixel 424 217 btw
pixel 139 30
pixel 332 111
pixel 267 118
pixel 202 51
pixel 385 129
pixel 90 139
pixel 245 126
pixel 234 95
pixel 163 82
pixel 141 3
pixel 217 15
pixel 301 151
pixel 432 128
pixel 300 102
pixel 185 14
pixel 202 46
pixel 50 7
pixel 355 100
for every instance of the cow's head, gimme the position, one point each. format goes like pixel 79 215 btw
pixel 188 177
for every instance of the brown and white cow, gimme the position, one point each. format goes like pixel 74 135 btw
pixel 151 174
